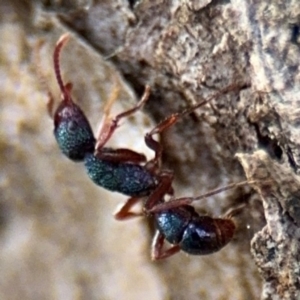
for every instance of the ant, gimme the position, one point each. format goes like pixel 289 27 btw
pixel 120 170
pixel 128 172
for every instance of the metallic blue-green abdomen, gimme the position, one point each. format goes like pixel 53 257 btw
pixel 125 178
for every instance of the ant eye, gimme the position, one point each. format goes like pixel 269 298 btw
pixel 73 132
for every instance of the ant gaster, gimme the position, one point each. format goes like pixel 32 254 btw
pixel 120 170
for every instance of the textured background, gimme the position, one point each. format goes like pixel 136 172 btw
pixel 58 237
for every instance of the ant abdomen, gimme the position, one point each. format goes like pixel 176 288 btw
pixel 205 235
pixel 194 234
pixel 72 131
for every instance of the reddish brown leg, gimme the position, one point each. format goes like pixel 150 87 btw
pixel 121 155
pixel 233 212
pixel 104 128
pixel 164 187
pixel 188 200
pixel 110 124
pixel 124 213
pixel 156 146
pixel 42 78
pixel 50 104
pixel 171 120
pixel 157 251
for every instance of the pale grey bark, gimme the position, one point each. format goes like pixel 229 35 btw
pixel 187 51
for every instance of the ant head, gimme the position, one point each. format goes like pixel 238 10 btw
pixel 72 130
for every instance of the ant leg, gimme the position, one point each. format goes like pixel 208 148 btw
pixel 164 187
pixel 172 119
pixel 124 213
pixel 162 126
pixel 233 211
pixel 157 196
pixel 121 155
pixel 110 124
pixel 188 200
pixel 107 119
pixel 157 251
pixel 156 146
pixel 42 78
pixel 50 104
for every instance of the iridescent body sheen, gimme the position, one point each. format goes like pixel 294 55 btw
pixel 73 132
pixel 126 178
pixel 128 172
pixel 195 234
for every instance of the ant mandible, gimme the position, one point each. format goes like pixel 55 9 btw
pixel 120 170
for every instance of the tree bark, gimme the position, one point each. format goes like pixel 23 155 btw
pixel 186 51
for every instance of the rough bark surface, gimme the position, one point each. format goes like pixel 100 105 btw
pixel 276 248
pixel 59 240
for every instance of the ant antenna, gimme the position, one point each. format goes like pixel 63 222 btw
pixel 59 45
pixel 188 200
pixel 115 53
pixel 176 116
pixel 225 90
